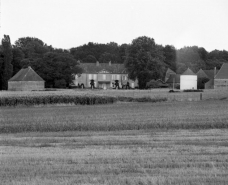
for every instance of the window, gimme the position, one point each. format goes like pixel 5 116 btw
pixel 94 76
pixel 90 76
pixel 104 77
pixel 113 77
pixel 118 77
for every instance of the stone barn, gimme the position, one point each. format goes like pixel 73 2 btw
pixel 26 80
pixel 221 78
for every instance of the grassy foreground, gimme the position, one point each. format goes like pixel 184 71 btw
pixel 124 143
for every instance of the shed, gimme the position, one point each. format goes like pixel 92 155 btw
pixel 221 78
pixel 188 80
pixel 26 80
pixel 174 81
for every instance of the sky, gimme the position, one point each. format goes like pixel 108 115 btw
pixel 72 23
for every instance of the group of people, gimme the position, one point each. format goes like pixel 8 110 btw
pixel 115 85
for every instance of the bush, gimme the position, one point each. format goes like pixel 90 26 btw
pixel 140 99
pixel 192 90
pixel 60 83
pixel 152 84
pixel 56 99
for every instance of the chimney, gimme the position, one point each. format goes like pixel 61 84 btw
pixel 214 72
pixel 110 63
pixel 97 63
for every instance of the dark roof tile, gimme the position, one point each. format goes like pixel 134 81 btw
pixel 27 74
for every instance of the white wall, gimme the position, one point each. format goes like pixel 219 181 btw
pixel 188 82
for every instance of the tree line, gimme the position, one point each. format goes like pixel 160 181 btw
pixel 143 59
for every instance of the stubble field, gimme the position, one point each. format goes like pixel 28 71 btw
pixel 123 143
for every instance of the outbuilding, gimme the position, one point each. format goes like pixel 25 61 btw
pixel 221 78
pixel 188 80
pixel 26 80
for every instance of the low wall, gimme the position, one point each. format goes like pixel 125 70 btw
pixel 25 86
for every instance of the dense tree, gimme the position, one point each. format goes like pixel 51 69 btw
pixel 32 48
pixel 89 59
pixel 170 57
pixel 6 68
pixel 144 60
pixel 56 68
pixel 18 56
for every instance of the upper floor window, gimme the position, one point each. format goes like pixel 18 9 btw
pixel 113 77
pixel 118 77
pixel 95 76
pixel 104 77
pixel 90 76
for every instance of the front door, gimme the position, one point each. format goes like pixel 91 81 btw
pixel 104 86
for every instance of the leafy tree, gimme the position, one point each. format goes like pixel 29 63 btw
pixel 89 59
pixel 144 60
pixel 106 57
pixel 6 69
pixel 32 48
pixel 56 67
pixel 18 56
pixel 170 56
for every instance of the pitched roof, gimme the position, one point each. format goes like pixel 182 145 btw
pixel 188 72
pixel 26 74
pixel 170 71
pixel 210 73
pixel 173 78
pixel 223 72
pixel 201 74
pixel 94 68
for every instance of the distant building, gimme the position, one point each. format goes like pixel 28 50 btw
pixel 188 80
pixel 105 76
pixel 209 74
pixel 173 81
pixel 26 80
pixel 168 73
pixel 221 78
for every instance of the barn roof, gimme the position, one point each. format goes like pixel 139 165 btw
pixel 26 74
pixel 223 72
pixel 188 72
pixel 173 78
pixel 170 71
pixel 99 67
pixel 210 73
pixel 201 74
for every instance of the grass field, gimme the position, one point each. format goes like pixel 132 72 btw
pixel 124 143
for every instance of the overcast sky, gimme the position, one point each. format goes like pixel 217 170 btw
pixel 71 23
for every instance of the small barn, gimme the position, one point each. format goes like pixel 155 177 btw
pixel 173 81
pixel 221 78
pixel 188 80
pixel 168 73
pixel 26 80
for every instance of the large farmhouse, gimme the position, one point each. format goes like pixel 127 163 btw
pixel 104 75
pixel 26 80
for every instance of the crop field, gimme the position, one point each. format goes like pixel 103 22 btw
pixel 122 143
pixel 155 93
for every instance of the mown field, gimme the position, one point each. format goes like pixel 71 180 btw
pixel 122 143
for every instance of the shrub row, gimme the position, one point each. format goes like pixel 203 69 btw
pixel 193 90
pixel 141 99
pixel 56 99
